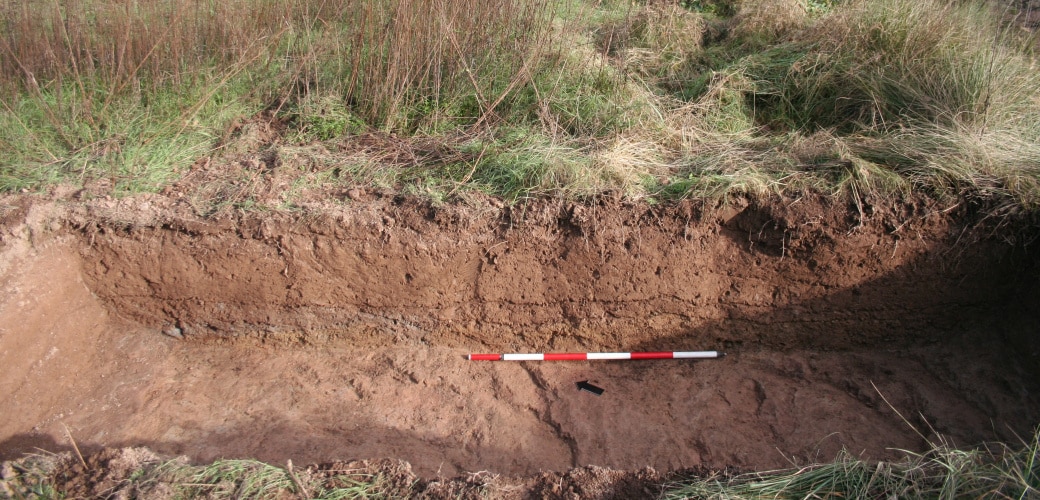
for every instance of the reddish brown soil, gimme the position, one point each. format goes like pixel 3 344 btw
pixel 340 332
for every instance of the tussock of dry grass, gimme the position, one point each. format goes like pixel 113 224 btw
pixel 770 19
pixel 655 99
pixel 997 471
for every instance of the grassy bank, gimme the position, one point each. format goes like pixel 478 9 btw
pixel 655 99
pixel 942 472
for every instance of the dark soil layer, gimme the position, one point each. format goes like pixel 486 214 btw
pixel 340 332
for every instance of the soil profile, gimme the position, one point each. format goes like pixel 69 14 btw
pixel 340 332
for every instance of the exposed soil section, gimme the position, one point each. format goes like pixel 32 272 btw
pixel 606 275
pixel 340 333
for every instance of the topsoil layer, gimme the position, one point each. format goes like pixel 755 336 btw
pixel 340 332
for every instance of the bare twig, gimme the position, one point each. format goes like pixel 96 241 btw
pixel 471 171
pixel 296 480
pixel 74 446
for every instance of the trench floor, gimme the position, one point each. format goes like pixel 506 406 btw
pixel 70 363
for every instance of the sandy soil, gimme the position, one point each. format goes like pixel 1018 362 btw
pixel 343 335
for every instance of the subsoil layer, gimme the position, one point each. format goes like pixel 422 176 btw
pixel 340 331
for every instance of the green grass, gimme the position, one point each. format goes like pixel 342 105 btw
pixel 138 142
pixel 251 479
pixel 995 471
pixel 34 478
pixel 656 100
pixel 944 472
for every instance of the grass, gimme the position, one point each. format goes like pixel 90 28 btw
pixel 34 478
pixel 655 99
pixel 944 472
pixel 138 473
pixel 251 479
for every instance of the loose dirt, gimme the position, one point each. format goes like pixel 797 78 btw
pixel 340 331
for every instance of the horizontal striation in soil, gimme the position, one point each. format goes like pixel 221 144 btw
pixel 550 275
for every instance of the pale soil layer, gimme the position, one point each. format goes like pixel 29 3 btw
pixel 340 332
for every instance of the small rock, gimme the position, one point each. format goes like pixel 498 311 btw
pixel 174 332
pixel 7 471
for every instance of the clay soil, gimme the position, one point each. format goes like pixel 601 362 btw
pixel 340 331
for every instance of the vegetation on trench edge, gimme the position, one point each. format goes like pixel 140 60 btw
pixel 944 471
pixel 656 99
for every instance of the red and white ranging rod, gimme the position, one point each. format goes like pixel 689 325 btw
pixel 583 356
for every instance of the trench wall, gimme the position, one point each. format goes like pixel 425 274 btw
pixel 560 276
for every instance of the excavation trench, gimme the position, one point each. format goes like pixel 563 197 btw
pixel 341 333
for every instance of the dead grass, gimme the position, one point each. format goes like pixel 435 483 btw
pixel 994 471
pixel 656 99
pixel 99 88
pixel 944 471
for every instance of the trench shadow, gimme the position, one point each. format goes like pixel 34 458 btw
pixel 26 443
pixel 949 275
pixel 953 346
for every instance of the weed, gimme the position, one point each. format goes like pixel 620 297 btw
pixel 322 117
pixel 524 163
pixel 31 477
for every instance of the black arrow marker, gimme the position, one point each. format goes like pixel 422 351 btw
pixel 584 385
